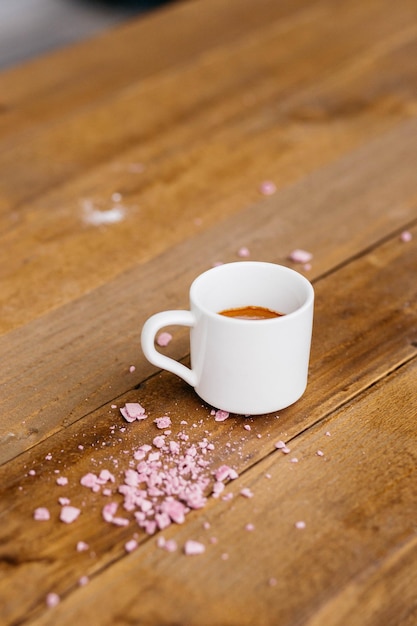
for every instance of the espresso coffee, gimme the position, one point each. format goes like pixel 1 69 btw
pixel 251 313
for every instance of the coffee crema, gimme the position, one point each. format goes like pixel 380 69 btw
pixel 251 313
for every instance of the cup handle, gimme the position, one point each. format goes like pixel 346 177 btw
pixel 149 331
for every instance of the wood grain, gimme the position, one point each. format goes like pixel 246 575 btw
pixel 206 148
pixel 184 114
pixel 93 341
pixel 347 358
pixel 352 529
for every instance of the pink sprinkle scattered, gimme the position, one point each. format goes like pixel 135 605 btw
pixel 82 546
pixel 131 545
pixel 62 481
pixel 221 416
pixel 243 252
pixel 133 411
pixel 267 188
pixel 106 476
pixel 83 581
pixel 272 582
pixel 32 472
pixel 164 339
pixel 41 514
pixel 328 434
pixel 300 256
pixel 48 456
pixel 170 545
pixel 320 453
pixel 132 369
pixel 224 556
pixel 64 501
pixel 192 547
pixel 301 525
pixel 247 427
pixel 224 472
pixel 159 441
pixel 294 459
pixel 69 514
pixel 406 236
pixel 52 599
pixel 280 444
pixel 285 450
pixel 109 515
pixel 249 527
pixel 163 422
pixel 246 492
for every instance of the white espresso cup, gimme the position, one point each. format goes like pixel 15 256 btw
pixel 242 366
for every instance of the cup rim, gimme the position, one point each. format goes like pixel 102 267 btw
pixel 234 320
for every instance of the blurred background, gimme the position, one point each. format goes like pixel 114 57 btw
pixel 29 28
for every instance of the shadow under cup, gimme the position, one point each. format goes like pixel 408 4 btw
pixel 251 366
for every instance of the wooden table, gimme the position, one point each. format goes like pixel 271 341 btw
pixel 133 162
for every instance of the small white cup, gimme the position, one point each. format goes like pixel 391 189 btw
pixel 243 366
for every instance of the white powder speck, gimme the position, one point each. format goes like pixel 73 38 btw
pixel 97 217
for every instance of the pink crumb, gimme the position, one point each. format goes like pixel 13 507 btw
pixel 163 339
pixel 133 411
pixel 52 599
pixel 406 236
pixel 82 546
pixel 170 545
pixel 131 545
pixel 246 492
pixel 267 188
pixel 84 580
pixel 243 252
pixel 159 441
pixel 224 472
pixel 221 416
pixel 62 481
pixel 300 256
pixel 69 514
pixel 163 422
pixel 279 445
pixel 192 547
pixel 249 527
pixel 41 514
pixel 320 453
pixel 300 525
pixel 132 369
pixel 247 427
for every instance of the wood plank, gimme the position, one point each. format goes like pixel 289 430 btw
pixel 195 175
pixel 91 356
pixel 357 500
pixel 75 77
